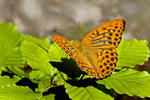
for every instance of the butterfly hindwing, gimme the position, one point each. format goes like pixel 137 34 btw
pixel 107 61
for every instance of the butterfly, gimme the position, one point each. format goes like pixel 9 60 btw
pixel 96 53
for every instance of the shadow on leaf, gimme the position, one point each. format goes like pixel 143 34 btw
pixel 89 82
pixel 59 92
pixel 69 67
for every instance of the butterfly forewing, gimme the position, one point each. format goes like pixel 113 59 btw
pixel 66 45
pixel 107 35
pixel 75 53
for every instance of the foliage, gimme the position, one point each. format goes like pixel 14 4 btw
pixel 33 68
pixel 129 81
pixel 132 52
pixel 86 93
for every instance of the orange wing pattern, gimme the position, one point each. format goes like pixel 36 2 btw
pixel 105 39
pixel 96 53
pixel 106 62
pixel 107 35
pixel 72 51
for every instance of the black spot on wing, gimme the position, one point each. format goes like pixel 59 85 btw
pixel 100 66
pixel 112 69
pixel 114 43
pixel 112 59
pixel 107 67
pixel 97 33
pixel 111 64
pixel 104 28
pixel 109 38
pixel 105 63
pixel 124 23
pixel 103 70
pixel 108 61
pixel 111 54
pixel 116 26
pixel 107 52
pixel 107 56
pixel 110 34
pixel 116 34
pixel 102 59
pixel 115 64
pixel 115 39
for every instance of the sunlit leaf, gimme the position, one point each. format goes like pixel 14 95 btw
pixel 129 82
pixel 132 52
pixel 86 93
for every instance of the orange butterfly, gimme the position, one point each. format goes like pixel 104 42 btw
pixel 96 54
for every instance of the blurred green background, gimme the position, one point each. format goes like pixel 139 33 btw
pixel 75 18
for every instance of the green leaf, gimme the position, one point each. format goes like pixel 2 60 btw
pixel 60 78
pixel 43 43
pixel 54 71
pixel 13 59
pixel 129 82
pixel 43 82
pixel 49 97
pixel 9 35
pixel 132 52
pixel 86 93
pixel 13 92
pixel 17 71
pixel 36 57
pixel 55 53
pixel 9 40
pixel 5 80
pixel 36 75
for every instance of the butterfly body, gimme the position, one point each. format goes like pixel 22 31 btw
pixel 96 53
